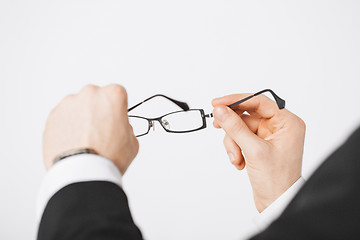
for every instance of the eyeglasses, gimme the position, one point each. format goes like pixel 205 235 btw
pixel 185 120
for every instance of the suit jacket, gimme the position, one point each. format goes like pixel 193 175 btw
pixel 86 211
pixel 327 207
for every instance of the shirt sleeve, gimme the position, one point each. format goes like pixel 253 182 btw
pixel 78 168
pixel 272 212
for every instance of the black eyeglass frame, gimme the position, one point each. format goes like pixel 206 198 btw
pixel 159 119
pixel 279 101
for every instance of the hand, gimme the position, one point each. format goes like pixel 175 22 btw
pixel 268 141
pixel 95 118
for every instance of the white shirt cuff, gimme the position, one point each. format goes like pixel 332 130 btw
pixel 272 212
pixel 78 168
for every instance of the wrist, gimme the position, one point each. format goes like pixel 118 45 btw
pixel 74 153
pixel 261 203
pixel 67 154
pixel 267 193
pixel 274 210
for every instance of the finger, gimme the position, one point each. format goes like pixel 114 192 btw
pixel 216 124
pixel 251 122
pixel 260 104
pixel 135 142
pixel 242 164
pixel 119 96
pixel 238 111
pixel 234 152
pixel 236 128
pixel 89 89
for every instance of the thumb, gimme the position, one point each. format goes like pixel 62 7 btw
pixel 235 127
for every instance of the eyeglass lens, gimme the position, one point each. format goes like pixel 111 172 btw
pixel 140 125
pixel 182 121
pixel 177 122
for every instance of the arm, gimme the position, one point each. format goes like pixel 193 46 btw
pixel 88 210
pixel 327 206
pixel 81 196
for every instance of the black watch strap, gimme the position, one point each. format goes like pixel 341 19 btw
pixel 73 153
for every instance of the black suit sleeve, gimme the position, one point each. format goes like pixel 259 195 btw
pixel 88 210
pixel 328 205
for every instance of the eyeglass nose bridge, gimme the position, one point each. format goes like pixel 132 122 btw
pixel 163 122
pixel 152 124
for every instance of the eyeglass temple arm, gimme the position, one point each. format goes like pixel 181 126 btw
pixel 182 105
pixel 279 101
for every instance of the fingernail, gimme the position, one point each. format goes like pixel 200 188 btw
pixel 220 113
pixel 231 157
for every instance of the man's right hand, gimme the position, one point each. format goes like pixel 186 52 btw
pixel 96 118
pixel 268 141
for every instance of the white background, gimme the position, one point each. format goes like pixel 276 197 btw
pixel 180 186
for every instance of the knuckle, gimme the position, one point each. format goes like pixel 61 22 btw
pixel 137 146
pixel 263 97
pixel 68 98
pixel 90 88
pixel 117 91
pixel 64 101
pixel 231 146
pixel 134 143
pixel 258 152
pixel 302 124
pixel 298 122
pixel 53 111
